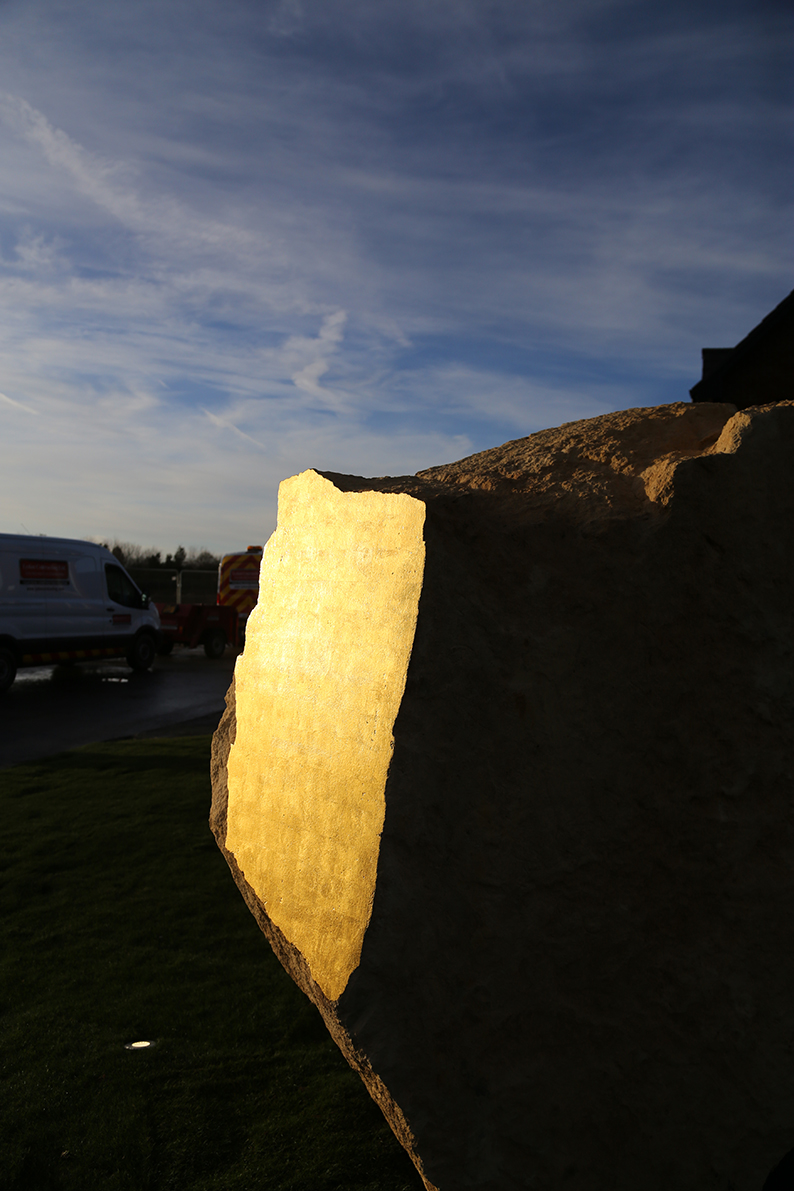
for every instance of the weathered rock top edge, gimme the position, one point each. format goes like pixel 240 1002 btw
pixel 615 465
pixel 625 442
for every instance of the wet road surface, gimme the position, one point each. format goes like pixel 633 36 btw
pixel 52 708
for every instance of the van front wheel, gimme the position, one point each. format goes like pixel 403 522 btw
pixel 8 668
pixel 142 652
pixel 215 643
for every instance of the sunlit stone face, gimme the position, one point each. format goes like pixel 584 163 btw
pixel 318 690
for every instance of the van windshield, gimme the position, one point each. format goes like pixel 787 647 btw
pixel 121 589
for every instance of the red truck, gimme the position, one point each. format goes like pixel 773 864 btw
pixel 220 624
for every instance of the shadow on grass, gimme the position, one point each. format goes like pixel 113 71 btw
pixel 120 923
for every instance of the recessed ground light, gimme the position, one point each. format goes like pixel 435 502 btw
pixel 138 1045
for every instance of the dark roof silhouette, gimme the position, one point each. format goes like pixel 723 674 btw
pixel 758 370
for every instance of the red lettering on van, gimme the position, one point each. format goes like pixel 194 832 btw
pixel 43 570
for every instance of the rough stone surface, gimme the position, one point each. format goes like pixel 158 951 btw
pixel 508 787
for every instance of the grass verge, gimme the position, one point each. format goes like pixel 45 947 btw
pixel 120 922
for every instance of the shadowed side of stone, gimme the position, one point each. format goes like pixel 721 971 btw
pixel 576 964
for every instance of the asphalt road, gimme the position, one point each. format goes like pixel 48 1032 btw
pixel 52 708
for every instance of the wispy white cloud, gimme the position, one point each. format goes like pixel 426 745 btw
pixel 18 405
pixel 227 424
pixel 92 177
pixel 366 238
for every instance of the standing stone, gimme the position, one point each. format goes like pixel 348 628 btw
pixel 506 779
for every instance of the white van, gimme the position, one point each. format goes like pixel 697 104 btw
pixel 65 601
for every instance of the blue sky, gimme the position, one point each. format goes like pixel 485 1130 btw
pixel 242 239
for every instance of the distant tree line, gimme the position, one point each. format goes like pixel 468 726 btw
pixel 130 555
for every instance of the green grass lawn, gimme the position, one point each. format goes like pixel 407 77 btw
pixel 121 922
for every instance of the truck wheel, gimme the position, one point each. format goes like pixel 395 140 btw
pixel 215 643
pixel 142 652
pixel 8 668
pixel 165 646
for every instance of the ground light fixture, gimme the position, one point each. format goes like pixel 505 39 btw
pixel 144 1045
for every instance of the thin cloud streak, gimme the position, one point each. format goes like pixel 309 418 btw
pixel 227 424
pixel 18 405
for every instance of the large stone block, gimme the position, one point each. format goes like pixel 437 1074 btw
pixel 506 779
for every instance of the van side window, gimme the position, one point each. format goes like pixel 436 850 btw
pixel 121 589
